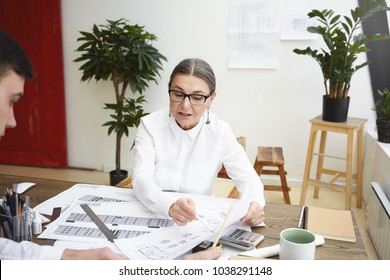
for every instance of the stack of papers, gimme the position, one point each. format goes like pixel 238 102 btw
pixel 141 234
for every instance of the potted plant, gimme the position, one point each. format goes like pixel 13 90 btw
pixel 123 54
pixel 382 108
pixel 344 40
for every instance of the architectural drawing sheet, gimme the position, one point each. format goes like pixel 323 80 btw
pixel 294 27
pixel 253 34
pixel 86 193
pixel 124 219
pixel 172 242
pixel 141 234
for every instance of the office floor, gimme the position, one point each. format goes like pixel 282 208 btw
pixel 328 199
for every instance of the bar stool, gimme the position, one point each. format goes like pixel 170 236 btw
pixel 272 157
pixel 351 127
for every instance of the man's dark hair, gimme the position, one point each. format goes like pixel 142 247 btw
pixel 13 57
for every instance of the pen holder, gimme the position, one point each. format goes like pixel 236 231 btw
pixel 17 228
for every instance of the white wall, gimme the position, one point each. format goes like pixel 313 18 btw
pixel 269 107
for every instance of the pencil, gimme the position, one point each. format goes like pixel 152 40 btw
pixel 17 218
pixel 222 226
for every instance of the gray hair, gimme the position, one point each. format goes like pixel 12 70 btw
pixel 198 68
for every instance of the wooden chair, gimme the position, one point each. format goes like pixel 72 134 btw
pixel 126 183
pixel 223 174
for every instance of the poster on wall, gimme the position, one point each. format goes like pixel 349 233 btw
pixel 253 34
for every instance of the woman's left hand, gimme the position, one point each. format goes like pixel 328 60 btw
pixel 255 214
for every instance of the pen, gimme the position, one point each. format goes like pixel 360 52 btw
pixel 8 213
pixel 15 188
pixel 17 218
pixel 5 224
pixel 206 224
pixel 301 217
pixel 10 200
pixel 27 214
pixel 24 221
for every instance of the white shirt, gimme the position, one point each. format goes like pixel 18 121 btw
pixel 168 158
pixel 26 250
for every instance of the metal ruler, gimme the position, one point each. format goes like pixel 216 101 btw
pixel 105 230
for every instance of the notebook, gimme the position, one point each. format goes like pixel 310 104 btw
pixel 330 223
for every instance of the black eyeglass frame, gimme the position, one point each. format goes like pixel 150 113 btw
pixel 189 96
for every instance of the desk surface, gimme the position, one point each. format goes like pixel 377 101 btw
pixel 278 217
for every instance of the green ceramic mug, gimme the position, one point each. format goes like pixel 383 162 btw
pixel 297 244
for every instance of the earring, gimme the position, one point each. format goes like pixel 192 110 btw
pixel 169 114
pixel 208 116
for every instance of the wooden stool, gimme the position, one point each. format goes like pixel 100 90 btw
pixel 272 157
pixel 350 127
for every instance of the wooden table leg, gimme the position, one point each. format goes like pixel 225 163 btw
pixel 309 157
pixel 349 169
pixel 320 163
pixel 359 179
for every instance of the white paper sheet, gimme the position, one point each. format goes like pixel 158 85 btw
pixel 22 187
pixel 136 239
pixel 253 34
pixel 172 242
pixel 294 27
pixel 87 193
pixel 125 219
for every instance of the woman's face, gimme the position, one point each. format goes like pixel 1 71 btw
pixel 185 113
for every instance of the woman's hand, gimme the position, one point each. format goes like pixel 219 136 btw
pixel 255 214
pixel 183 211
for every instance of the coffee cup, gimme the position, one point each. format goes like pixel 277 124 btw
pixel 297 244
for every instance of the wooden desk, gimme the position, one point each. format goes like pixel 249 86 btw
pixel 43 190
pixel 278 217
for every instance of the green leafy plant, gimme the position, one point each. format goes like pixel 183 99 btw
pixel 382 105
pixel 123 54
pixel 344 41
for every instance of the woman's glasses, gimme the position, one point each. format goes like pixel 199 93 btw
pixel 195 99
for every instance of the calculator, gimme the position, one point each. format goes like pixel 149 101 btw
pixel 242 239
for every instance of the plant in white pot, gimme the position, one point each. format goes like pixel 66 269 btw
pixel 344 41
pixel 382 108
pixel 123 54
